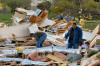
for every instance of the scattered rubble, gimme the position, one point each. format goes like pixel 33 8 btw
pixel 54 52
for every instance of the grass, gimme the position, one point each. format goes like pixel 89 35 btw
pixel 6 18
pixel 91 24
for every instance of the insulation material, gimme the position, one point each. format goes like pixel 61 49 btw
pixel 28 62
pixel 47 22
pixel 52 38
pixel 9 52
pixel 37 12
pixel 23 61
pixel 29 12
pixel 33 28
pixel 88 36
pixel 11 59
pixel 19 31
pixel 44 49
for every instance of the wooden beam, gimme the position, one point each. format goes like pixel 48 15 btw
pixel 52 57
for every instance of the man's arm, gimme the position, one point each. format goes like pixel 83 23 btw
pixel 67 34
pixel 80 35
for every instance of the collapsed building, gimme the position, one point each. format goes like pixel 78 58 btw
pixel 54 51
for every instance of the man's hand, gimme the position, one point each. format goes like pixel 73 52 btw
pixel 64 39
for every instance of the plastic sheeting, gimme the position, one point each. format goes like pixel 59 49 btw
pixel 44 49
pixel 23 61
pixel 28 62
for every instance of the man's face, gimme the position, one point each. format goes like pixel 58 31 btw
pixel 74 26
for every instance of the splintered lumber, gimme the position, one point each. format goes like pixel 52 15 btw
pixel 60 40
pixel 92 43
pixel 52 57
pixel 39 19
pixel 97 30
pixel 61 30
pixel 22 16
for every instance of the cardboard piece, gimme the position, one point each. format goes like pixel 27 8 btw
pixel 39 19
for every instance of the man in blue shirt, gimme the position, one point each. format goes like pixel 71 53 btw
pixel 40 38
pixel 74 35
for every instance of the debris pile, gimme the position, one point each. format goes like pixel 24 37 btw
pixel 17 48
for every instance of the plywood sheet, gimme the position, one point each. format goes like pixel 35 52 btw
pixel 19 31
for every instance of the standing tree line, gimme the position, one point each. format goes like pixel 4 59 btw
pixel 76 8
pixel 12 4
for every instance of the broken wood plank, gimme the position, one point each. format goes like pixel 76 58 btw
pixel 60 40
pixel 52 57
pixel 97 40
pixel 97 30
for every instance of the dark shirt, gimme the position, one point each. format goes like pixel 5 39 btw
pixel 71 34
pixel 59 17
pixel 37 35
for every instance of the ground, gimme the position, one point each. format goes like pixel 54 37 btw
pixel 91 24
pixel 6 18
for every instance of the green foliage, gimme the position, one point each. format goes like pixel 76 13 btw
pixel 91 53
pixel 6 18
pixel 91 24
pixel 62 6
pixel 90 5
pixel 44 5
pixel 16 3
